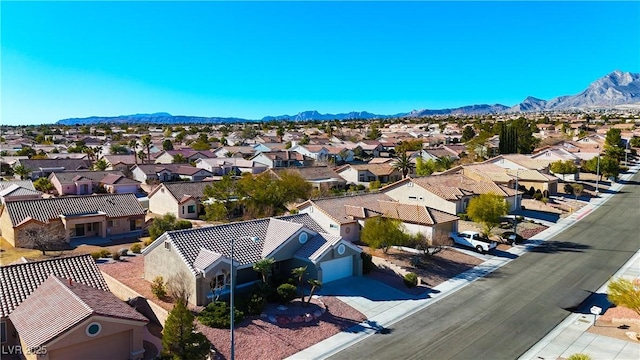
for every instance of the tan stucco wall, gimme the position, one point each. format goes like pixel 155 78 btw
pixel 6 229
pixel 117 340
pixel 402 193
pixel 322 219
pixel 162 202
pixel 166 263
pixel 125 293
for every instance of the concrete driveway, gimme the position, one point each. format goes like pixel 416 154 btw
pixel 369 296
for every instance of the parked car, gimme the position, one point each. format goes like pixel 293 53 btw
pixel 473 239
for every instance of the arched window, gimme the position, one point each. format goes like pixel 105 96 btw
pixel 221 279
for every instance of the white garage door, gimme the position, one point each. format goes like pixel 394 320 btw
pixel 337 269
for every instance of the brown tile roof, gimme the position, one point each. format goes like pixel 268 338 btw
pixel 113 205
pixel 20 280
pixel 73 176
pixel 181 189
pixel 454 187
pixel 311 173
pixel 337 207
pixel 115 179
pixel 376 169
pixel 417 214
pixel 57 305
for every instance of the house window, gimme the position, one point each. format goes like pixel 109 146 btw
pixel 361 177
pixel 191 209
pixel 93 329
pixel 333 226
pixel 183 209
pixel 110 223
pixel 3 332
pixel 167 245
pixel 221 279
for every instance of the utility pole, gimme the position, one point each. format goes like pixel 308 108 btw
pixel 597 174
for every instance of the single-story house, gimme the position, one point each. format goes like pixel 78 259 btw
pixel 148 173
pixel 363 174
pixel 43 167
pixel 87 182
pixel 166 156
pixel 276 159
pixel 182 199
pixel 63 308
pixel 320 177
pixel 72 217
pixel 18 190
pixel 230 165
pixel 121 162
pixel 204 254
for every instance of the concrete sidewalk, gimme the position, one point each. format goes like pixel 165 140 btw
pixel 382 315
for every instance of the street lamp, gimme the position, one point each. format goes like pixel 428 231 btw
pixel 231 292
pixel 515 218
pixel 597 174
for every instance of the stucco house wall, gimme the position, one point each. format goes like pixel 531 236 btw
pixel 164 262
pixel 162 202
pixel 410 193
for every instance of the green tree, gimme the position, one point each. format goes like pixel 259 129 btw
pixel 178 159
pixel 403 164
pixel 43 184
pixel 146 143
pixel 623 292
pixel 444 163
pixel 425 168
pixel 488 209
pixel 382 233
pixel 167 145
pixel 264 267
pixel 133 145
pixel 373 133
pixel 563 167
pixel 267 195
pixel 609 167
pixel 101 165
pixel 305 140
pixel 117 149
pixel 200 145
pixel 468 133
pixel 168 222
pixel 315 284
pixel 21 171
pixel 613 145
pixel 409 145
pixel 577 190
pixel 299 274
pixel 180 340
pixel 224 197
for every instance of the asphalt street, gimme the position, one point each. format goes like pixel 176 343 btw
pixel 503 314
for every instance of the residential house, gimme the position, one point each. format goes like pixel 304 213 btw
pixel 277 159
pixel 321 177
pixel 371 148
pixel 507 177
pixel 182 199
pixel 204 254
pixel 235 151
pixel 43 167
pixel 447 193
pixel 149 173
pixel 363 174
pixel 121 162
pixel 73 217
pixel 88 182
pixel 318 153
pixel 232 165
pixel 167 156
pixel 70 292
pixel 437 153
pixel 18 190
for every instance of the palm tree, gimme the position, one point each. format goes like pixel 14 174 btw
pixel 403 164
pixel 299 274
pixel 444 163
pixel 21 171
pixel 98 151
pixel 179 159
pixel 133 144
pixel 315 284
pixel 141 155
pixel 101 165
pixel 146 144
pixel 264 267
pixel 90 153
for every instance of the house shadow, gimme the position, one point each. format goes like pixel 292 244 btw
pixel 594 299
pixel 539 215
pixel 369 325
pixel 629 182
pixel 503 254
pixel 554 247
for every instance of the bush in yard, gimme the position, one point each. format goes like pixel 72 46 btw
pixel 216 315
pixel 136 248
pixel 115 255
pixel 568 188
pixel 287 292
pixel 537 196
pixel 410 280
pixel 96 255
pixel 158 289
pixel 579 357
pixel 367 262
pixel 256 304
pixel 464 217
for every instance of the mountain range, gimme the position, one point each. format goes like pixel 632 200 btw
pixel 614 89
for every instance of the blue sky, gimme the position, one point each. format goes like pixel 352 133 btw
pixel 252 59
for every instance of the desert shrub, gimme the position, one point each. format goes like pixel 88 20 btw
pixel 136 248
pixel 568 188
pixel 217 315
pixel 123 252
pixel 537 196
pixel 545 194
pixel 287 292
pixel 544 200
pixel 531 191
pixel 158 288
pixel 256 304
pixel 147 242
pixel 115 255
pixel 367 262
pixel 96 255
pixel 410 280
pixel 104 253
pixel 579 357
